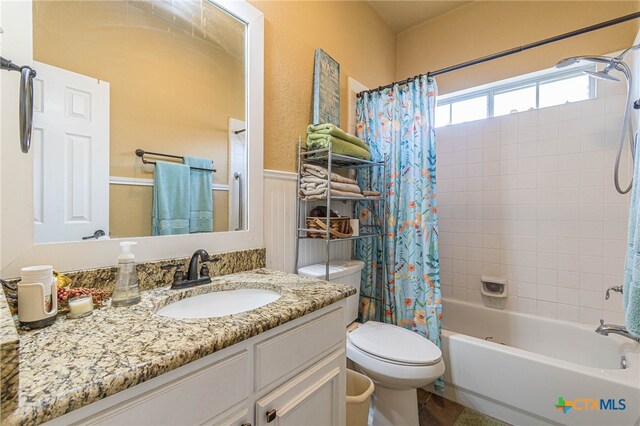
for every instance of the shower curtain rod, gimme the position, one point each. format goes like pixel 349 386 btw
pixel 513 51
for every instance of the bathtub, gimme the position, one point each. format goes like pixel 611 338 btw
pixel 515 367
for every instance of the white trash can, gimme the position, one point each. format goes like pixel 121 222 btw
pixel 359 391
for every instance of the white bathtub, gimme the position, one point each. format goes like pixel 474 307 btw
pixel 541 359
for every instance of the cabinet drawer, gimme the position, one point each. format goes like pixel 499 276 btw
pixel 167 404
pixel 293 349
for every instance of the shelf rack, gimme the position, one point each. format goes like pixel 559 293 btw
pixel 330 160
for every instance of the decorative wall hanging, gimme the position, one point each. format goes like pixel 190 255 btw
pixel 326 89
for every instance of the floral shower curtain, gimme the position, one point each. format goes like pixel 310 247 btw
pixel 398 124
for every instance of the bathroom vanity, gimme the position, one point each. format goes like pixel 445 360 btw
pixel 279 363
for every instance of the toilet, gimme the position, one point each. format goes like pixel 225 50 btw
pixel 398 360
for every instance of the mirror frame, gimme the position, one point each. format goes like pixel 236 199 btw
pixel 17 247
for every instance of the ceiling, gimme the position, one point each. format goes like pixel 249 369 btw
pixel 200 19
pixel 401 15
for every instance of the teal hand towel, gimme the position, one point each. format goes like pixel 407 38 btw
pixel 631 283
pixel 201 215
pixel 170 199
pixel 330 129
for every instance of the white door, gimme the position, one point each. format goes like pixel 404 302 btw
pixel 315 397
pixel 71 155
pixel 237 174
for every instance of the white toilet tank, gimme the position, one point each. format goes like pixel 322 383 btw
pixel 340 271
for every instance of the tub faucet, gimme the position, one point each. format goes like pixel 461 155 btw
pixel 606 329
pixel 617 289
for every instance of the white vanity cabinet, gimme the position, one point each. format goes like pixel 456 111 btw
pixel 293 374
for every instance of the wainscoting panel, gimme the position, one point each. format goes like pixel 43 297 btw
pixel 279 226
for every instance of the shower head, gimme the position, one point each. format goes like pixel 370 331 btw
pixel 619 65
pixel 612 64
pixel 601 75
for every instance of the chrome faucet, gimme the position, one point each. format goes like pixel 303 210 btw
pixel 194 278
pixel 617 289
pixel 606 329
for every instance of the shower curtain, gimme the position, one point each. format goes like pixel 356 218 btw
pixel 398 124
pixel 631 283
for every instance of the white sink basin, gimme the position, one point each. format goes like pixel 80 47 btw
pixel 219 303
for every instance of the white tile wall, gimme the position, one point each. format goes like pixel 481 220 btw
pixel 530 197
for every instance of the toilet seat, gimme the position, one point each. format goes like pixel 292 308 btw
pixel 394 345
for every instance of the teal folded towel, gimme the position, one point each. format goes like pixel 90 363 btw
pixel 330 129
pixel 170 199
pixel 631 284
pixel 201 216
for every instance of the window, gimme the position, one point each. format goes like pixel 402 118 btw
pixel 514 101
pixel 524 94
pixel 469 110
pixel 566 90
pixel 443 115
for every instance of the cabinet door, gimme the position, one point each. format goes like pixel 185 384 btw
pixel 314 397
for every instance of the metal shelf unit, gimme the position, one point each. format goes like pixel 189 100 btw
pixel 327 158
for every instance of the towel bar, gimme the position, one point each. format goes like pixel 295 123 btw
pixel 141 153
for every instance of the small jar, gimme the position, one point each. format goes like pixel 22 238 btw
pixel 80 307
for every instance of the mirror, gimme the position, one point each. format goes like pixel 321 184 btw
pixel 113 77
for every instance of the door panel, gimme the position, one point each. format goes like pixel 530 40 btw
pixel 71 155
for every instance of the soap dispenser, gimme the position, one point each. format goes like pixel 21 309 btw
pixel 127 290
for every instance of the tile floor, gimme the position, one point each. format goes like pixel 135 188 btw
pixel 438 411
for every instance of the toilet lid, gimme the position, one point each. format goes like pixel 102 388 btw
pixel 395 344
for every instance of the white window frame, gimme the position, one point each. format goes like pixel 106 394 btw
pixel 519 83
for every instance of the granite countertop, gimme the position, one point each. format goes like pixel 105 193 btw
pixel 76 362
